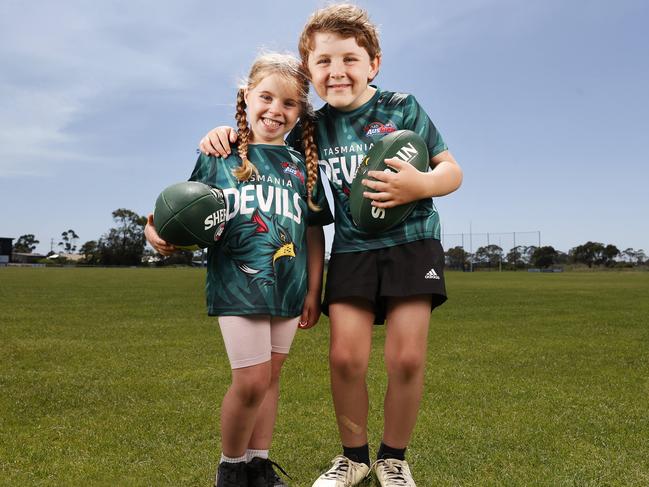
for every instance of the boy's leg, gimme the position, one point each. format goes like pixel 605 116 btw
pixel 405 358
pixel 412 280
pixel 406 340
pixel 349 351
pixel 352 284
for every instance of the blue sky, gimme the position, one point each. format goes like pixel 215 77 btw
pixel 544 104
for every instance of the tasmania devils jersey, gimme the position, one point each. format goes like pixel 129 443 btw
pixel 343 139
pixel 259 263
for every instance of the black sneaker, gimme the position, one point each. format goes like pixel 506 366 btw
pixel 231 475
pixel 262 474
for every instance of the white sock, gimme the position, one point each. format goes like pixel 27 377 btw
pixel 233 459
pixel 250 454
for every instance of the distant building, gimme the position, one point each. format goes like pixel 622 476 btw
pixel 6 246
pixel 26 258
pixel 67 257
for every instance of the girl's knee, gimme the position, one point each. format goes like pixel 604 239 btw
pixel 277 363
pixel 251 388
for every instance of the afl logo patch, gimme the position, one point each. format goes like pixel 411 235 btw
pixel 378 128
pixel 291 168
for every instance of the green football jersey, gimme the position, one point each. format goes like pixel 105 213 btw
pixel 344 138
pixel 259 264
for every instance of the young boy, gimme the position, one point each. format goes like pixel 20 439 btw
pixel 396 276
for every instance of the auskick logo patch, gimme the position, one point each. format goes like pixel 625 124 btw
pixel 291 168
pixel 376 128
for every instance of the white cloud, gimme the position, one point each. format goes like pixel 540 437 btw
pixel 60 61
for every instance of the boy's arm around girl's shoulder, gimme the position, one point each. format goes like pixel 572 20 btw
pixel 218 141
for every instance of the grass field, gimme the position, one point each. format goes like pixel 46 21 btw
pixel 114 377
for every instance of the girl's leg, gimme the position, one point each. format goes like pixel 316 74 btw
pixel 406 339
pixel 240 405
pixel 349 351
pixel 262 433
pixel 248 344
pixel 282 332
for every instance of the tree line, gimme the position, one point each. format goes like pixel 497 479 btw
pixel 125 244
pixel 122 245
pixel 521 257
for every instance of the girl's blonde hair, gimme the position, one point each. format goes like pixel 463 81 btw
pixel 290 69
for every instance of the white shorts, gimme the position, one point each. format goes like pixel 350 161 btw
pixel 250 339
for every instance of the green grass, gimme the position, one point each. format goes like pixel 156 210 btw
pixel 114 377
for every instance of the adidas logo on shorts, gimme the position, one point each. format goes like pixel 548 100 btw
pixel 431 274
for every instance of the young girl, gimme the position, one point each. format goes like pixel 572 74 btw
pixel 257 274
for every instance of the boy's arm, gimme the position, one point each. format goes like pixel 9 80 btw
pixel 409 184
pixel 315 242
pixel 217 141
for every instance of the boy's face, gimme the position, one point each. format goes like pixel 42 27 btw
pixel 340 70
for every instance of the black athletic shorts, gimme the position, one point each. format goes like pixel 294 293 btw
pixel 403 270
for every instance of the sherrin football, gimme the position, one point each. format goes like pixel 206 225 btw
pixel 405 145
pixel 190 215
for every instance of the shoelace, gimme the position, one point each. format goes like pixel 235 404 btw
pixel 394 473
pixel 339 469
pixel 270 473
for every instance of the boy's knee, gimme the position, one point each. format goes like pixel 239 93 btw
pixel 346 365
pixel 405 366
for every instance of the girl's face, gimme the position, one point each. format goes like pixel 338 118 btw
pixel 273 109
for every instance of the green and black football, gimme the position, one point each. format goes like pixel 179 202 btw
pixel 405 145
pixel 190 215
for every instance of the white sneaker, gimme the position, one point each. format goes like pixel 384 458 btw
pixel 393 473
pixel 343 473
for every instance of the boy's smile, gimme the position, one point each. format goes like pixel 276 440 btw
pixel 340 70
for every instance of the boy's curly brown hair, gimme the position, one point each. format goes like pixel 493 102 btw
pixel 346 20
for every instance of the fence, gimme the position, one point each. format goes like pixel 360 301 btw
pixel 478 250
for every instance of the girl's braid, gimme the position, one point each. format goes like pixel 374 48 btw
pixel 243 172
pixel 311 156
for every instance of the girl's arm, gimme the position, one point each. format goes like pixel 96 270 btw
pixel 315 242
pixel 154 239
